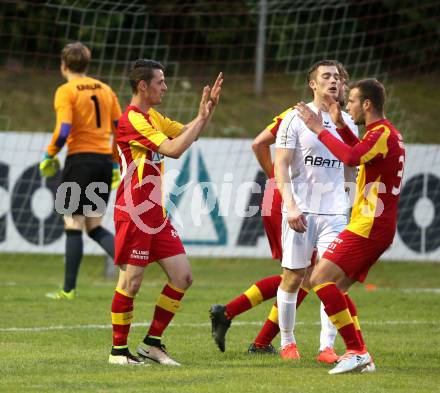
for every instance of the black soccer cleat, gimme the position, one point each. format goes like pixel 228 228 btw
pixel 219 324
pixel 262 349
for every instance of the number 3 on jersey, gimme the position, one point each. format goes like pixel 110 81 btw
pixel 396 190
pixel 97 111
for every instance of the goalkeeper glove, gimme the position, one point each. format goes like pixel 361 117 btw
pixel 116 176
pixel 49 165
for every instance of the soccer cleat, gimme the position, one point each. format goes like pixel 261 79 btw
pixel 219 325
pixel 156 354
pixel 290 352
pixel 328 355
pixel 262 349
pixel 123 357
pixel 352 361
pixel 62 295
pixel 370 367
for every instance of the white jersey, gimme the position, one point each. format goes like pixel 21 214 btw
pixel 317 175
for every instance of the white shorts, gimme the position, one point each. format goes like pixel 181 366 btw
pixel 321 231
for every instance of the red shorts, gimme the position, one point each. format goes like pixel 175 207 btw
pixel 272 226
pixel 355 254
pixel 271 215
pixel 135 247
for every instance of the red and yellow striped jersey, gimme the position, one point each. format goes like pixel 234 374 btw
pixel 273 129
pixel 87 111
pixel 381 156
pixel 275 125
pixel 139 135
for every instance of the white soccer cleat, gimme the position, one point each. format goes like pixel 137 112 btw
pixel 124 358
pixel 156 354
pixel 352 361
pixel 369 368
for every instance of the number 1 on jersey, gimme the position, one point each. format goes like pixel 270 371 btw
pixel 97 111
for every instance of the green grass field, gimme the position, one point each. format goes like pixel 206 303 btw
pixel 50 346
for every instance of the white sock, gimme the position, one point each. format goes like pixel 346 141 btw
pixel 328 331
pixel 286 315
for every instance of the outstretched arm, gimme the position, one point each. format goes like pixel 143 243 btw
pixel 342 128
pixel 373 144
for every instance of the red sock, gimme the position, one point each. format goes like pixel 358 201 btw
pixel 354 315
pixel 302 293
pixel 166 306
pixel 270 328
pixel 262 290
pixel 122 315
pixel 337 309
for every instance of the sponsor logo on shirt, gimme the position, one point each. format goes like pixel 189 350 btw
pixel 321 161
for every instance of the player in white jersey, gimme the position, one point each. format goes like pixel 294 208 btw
pixel 312 184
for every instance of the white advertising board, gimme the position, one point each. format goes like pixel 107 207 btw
pixel 215 190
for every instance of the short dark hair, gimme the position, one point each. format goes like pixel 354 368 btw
pixel 312 70
pixel 76 57
pixel 143 70
pixel 371 89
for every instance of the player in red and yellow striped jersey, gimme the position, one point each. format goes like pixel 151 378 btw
pixel 144 233
pixel 87 111
pixel 381 156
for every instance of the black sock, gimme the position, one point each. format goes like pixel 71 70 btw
pixel 105 239
pixel 74 253
pixel 153 342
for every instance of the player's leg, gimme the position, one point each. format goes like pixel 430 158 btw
pixel 286 300
pixel 272 221
pixel 327 339
pixel 351 258
pixel 178 271
pixel 73 227
pixel 327 275
pixel 222 315
pixel 82 171
pixel 297 253
pixel 270 329
pixel 257 293
pixel 129 283
pixel 329 228
pixel 131 255
pixel 101 176
pixel 168 250
pixel 100 235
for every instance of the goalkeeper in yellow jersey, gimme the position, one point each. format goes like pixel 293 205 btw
pixel 87 112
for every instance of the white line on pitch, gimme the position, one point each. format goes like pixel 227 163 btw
pixel 197 325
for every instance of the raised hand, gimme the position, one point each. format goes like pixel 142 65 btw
pixel 312 120
pixel 334 109
pixel 215 91
pixel 206 105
